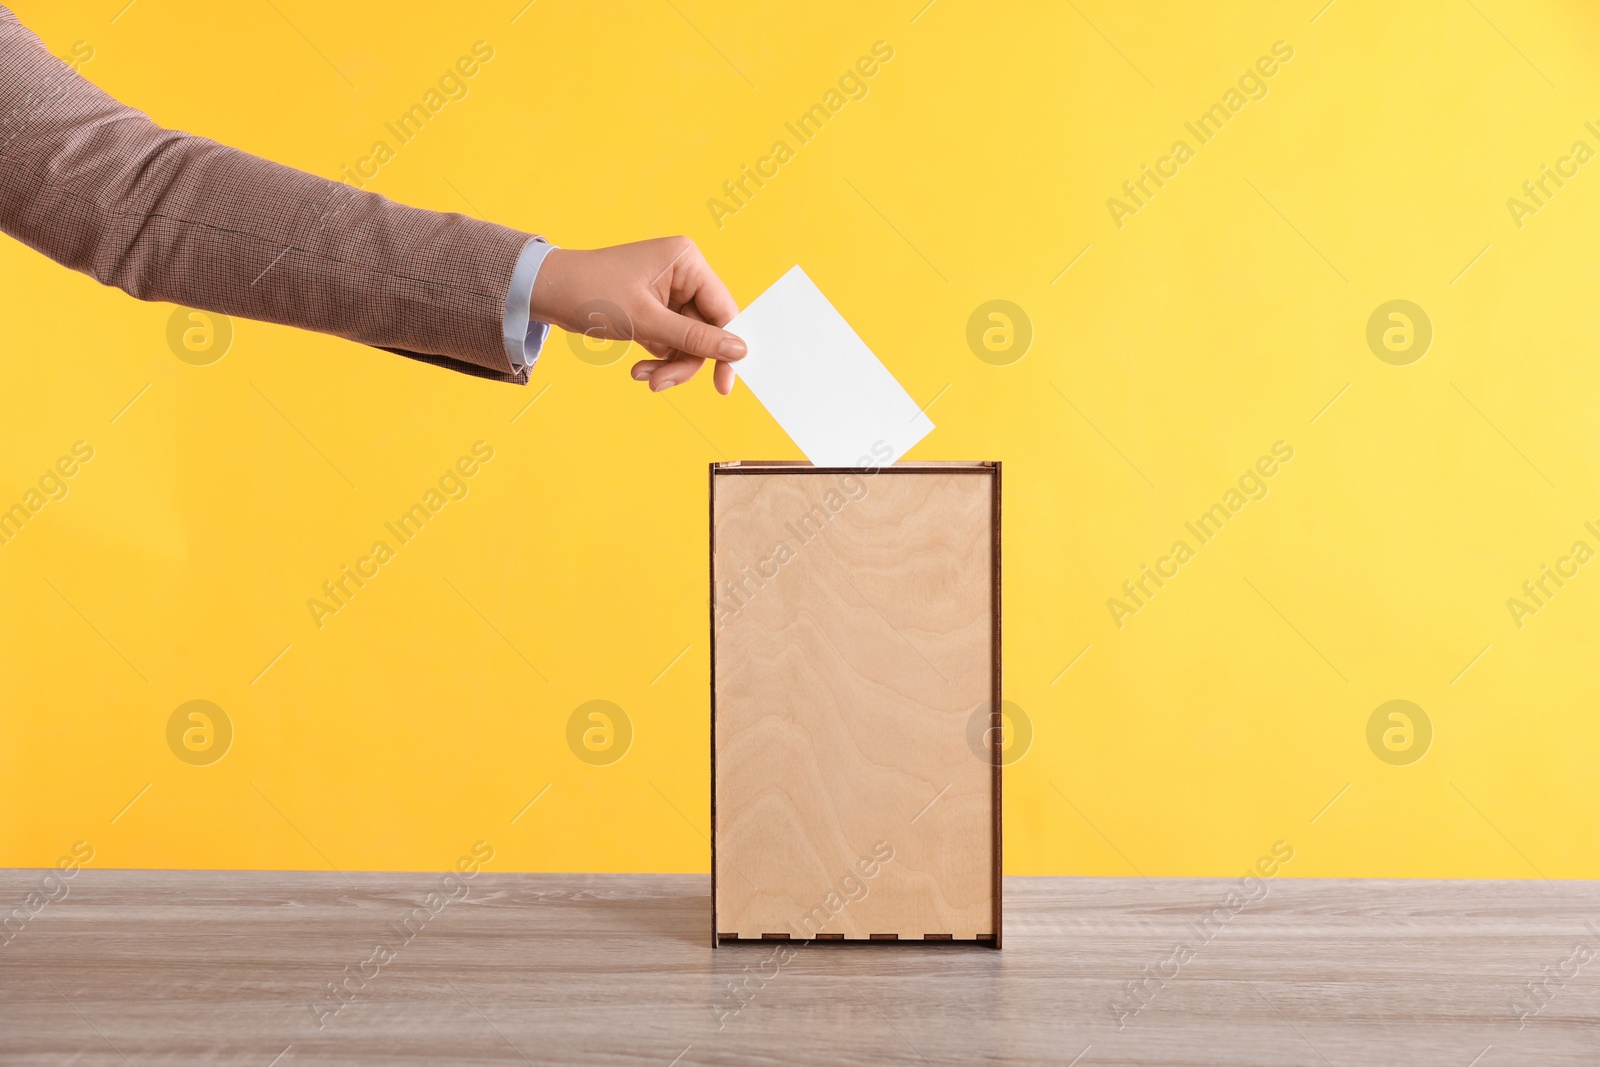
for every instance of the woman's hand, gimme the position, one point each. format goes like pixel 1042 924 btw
pixel 660 293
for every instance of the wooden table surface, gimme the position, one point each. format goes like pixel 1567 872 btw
pixel 148 967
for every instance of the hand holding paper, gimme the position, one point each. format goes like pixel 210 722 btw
pixel 661 293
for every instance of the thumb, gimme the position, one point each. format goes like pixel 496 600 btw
pixel 689 336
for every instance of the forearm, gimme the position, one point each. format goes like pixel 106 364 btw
pixel 165 215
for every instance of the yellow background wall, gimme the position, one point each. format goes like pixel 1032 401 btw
pixel 1229 313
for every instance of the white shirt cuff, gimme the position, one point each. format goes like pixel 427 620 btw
pixel 524 337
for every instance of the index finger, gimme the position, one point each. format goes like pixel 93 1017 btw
pixel 694 282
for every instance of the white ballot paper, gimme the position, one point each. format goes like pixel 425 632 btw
pixel 821 382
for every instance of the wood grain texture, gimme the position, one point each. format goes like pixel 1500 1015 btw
pixel 220 968
pixel 854 646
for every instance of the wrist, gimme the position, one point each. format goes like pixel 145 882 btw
pixel 547 303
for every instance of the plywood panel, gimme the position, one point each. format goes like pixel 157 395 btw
pixel 854 643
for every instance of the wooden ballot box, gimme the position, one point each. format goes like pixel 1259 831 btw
pixel 855 695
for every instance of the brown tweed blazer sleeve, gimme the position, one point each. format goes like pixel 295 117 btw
pixel 165 215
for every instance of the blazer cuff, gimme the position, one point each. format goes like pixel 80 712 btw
pixel 524 337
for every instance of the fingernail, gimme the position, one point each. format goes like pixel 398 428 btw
pixel 641 374
pixel 730 348
pixel 663 387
